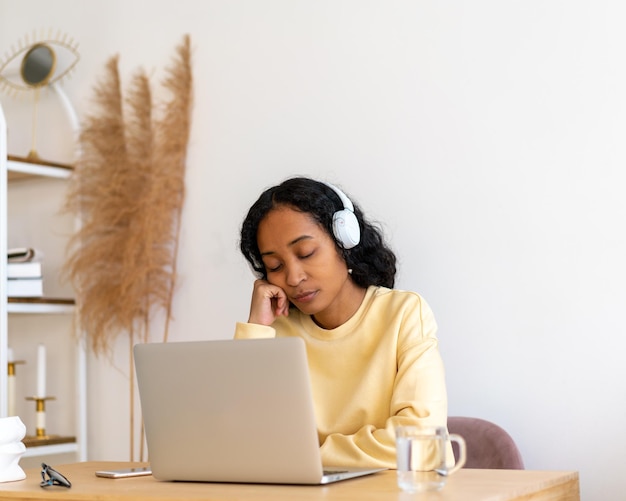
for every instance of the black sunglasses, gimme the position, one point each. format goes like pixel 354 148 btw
pixel 54 477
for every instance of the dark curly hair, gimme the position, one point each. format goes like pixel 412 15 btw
pixel 371 261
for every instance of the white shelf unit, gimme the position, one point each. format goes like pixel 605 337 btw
pixel 20 169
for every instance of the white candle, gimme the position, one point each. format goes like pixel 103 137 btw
pixel 40 420
pixel 11 396
pixel 9 354
pixel 41 371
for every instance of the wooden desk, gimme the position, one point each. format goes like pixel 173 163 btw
pixel 465 485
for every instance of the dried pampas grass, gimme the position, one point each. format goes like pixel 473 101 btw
pixel 128 190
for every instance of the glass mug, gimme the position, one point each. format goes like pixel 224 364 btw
pixel 422 455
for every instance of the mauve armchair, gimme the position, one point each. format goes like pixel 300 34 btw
pixel 488 445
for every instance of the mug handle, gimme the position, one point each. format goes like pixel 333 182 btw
pixel 462 453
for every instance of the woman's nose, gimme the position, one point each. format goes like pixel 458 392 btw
pixel 295 275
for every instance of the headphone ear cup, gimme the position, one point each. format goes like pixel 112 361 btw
pixel 346 228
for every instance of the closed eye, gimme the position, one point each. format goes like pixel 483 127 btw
pixel 274 269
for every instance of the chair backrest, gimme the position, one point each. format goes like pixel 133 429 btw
pixel 488 445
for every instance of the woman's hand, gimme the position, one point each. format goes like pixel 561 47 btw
pixel 268 302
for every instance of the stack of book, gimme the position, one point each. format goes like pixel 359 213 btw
pixel 24 273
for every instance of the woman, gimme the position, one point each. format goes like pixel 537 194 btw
pixel 326 275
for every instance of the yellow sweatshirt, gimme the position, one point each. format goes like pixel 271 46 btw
pixel 380 369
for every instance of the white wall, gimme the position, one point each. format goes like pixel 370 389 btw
pixel 487 137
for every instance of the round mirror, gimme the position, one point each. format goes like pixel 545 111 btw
pixel 38 65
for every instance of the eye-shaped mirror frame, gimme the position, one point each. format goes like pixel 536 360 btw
pixel 38 65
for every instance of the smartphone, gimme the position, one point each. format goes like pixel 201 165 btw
pixel 125 473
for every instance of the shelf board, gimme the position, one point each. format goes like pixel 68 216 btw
pixel 53 444
pixel 25 168
pixel 40 305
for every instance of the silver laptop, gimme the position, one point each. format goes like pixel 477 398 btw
pixel 231 411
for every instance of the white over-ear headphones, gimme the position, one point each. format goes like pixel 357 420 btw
pixel 345 224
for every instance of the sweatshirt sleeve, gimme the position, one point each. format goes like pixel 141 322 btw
pixel 418 397
pixel 253 331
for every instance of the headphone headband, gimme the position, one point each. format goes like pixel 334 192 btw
pixel 347 204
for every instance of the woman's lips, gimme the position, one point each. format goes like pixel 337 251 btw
pixel 305 297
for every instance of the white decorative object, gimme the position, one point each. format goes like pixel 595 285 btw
pixel 12 431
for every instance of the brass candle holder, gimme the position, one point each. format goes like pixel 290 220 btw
pixel 12 364
pixel 40 405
